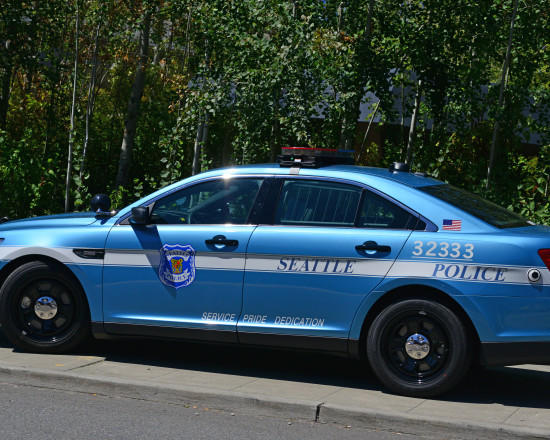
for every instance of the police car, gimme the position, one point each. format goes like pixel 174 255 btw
pixel 417 276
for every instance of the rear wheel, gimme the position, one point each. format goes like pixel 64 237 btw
pixel 42 309
pixel 418 348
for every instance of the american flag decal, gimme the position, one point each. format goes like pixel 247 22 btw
pixel 452 225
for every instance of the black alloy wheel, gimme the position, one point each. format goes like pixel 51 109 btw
pixel 42 309
pixel 418 348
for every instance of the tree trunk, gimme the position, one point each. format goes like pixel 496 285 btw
pixel 353 110
pixel 204 139
pixel 403 139
pixel 202 129
pixel 91 101
pixel 200 141
pixel 412 129
pixel 361 150
pixel 49 120
pixel 5 95
pixel 227 150
pixel 71 129
pixel 274 126
pixel 503 81
pixel 188 41
pixel 197 148
pixel 132 112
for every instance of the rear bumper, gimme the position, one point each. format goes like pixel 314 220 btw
pixel 514 353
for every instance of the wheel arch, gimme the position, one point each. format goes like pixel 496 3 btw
pixel 17 262
pixel 415 291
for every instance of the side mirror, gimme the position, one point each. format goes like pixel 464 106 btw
pixel 140 216
pixel 100 203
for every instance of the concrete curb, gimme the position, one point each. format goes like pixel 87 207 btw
pixel 425 426
pixel 264 405
pixel 188 396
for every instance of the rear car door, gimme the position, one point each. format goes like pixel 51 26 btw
pixel 330 243
pixel 183 273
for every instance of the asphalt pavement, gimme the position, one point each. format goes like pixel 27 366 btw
pixel 507 402
pixel 34 413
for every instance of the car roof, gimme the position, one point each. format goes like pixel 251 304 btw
pixel 415 180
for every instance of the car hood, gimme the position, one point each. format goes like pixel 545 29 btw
pixel 51 221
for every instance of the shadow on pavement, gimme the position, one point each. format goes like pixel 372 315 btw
pixel 511 386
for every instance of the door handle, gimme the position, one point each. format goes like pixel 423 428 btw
pixel 372 246
pixel 221 240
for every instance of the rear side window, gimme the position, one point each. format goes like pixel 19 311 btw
pixel 378 212
pixel 477 206
pixel 317 203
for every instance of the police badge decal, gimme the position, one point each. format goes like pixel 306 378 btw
pixel 177 265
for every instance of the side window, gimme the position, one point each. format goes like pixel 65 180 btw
pixel 378 212
pixel 317 203
pixel 212 202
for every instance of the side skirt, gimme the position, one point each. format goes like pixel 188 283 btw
pixel 313 343
pixel 514 353
pixel 108 330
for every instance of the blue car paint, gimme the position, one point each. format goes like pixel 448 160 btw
pixel 129 285
pixel 312 272
pixel 491 286
pixel 56 237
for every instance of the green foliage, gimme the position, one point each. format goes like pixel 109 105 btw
pixel 29 187
pixel 531 196
pixel 252 76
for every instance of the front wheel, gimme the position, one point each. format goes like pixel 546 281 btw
pixel 42 309
pixel 418 348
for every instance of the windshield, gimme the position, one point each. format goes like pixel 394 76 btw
pixel 477 206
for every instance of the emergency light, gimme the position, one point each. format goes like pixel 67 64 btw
pixel 308 157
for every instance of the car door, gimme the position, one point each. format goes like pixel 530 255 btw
pixel 182 274
pixel 330 244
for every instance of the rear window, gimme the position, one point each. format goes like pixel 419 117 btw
pixel 477 206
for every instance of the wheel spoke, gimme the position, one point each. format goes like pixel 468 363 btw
pixel 427 326
pixel 66 311
pixel 59 321
pixel 397 343
pixel 33 293
pixel 403 330
pixel 65 298
pixel 424 367
pixel 412 326
pixel 44 287
pixel 35 324
pixel 410 365
pixel 28 314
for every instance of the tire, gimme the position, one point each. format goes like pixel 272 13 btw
pixel 435 360
pixel 42 309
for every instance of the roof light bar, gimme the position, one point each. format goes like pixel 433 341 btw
pixel 545 255
pixel 397 167
pixel 309 157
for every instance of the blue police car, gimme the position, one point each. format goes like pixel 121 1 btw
pixel 415 275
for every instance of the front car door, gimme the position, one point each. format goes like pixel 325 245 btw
pixel 182 274
pixel 330 244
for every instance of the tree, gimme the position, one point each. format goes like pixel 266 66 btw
pixel 73 106
pixel 138 86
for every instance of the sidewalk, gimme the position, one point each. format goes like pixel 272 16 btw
pixel 511 402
